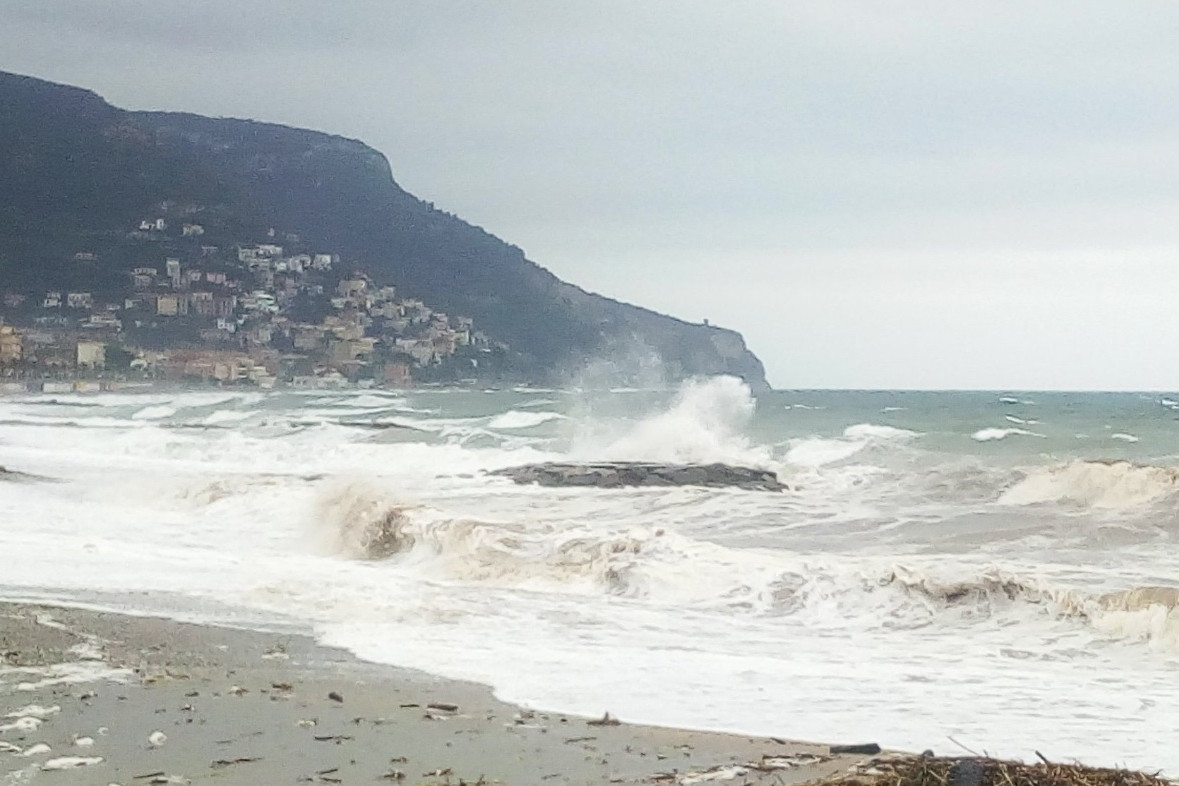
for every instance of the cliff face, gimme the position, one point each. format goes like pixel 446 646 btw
pixel 77 173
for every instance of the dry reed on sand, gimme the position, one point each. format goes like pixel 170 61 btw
pixel 982 771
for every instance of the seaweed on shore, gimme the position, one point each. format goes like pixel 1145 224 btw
pixel 984 771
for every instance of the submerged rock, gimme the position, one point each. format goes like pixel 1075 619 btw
pixel 17 477
pixel 616 474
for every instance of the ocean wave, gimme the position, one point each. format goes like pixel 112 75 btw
pixel 97 422
pixel 1143 615
pixel 359 521
pixel 363 522
pixel 515 419
pixel 223 416
pixel 985 588
pixel 155 412
pixel 992 434
pixel 1094 484
pixel 815 452
pixel 1148 615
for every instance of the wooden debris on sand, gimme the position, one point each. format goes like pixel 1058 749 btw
pixel 983 771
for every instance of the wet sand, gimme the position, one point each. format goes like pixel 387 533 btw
pixel 94 698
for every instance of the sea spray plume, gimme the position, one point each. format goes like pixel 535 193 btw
pixel 358 521
pixel 702 424
pixel 621 364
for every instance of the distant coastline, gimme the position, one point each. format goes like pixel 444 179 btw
pixel 221 251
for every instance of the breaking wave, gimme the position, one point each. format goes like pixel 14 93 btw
pixel 992 434
pixel 818 451
pixel 1095 484
pixel 358 521
pixel 984 589
pixel 363 523
pixel 515 419
pixel 1146 615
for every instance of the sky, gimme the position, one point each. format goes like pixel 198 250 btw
pixel 876 194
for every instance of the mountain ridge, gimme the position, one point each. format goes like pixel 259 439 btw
pixel 78 168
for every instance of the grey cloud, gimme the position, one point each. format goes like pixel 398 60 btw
pixel 615 136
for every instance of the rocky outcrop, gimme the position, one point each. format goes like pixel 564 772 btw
pixel 17 477
pixel 637 473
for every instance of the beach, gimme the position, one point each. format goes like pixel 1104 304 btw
pixel 88 697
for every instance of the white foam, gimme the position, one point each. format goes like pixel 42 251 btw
pixel 222 416
pixel 62 674
pixel 1124 437
pixel 35 711
pixel 819 451
pixel 21 724
pixel 516 419
pixel 157 412
pixel 992 434
pixel 71 762
pixel 873 431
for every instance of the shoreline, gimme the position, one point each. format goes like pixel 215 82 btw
pixel 89 697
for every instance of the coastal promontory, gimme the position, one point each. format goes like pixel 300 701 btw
pixel 130 231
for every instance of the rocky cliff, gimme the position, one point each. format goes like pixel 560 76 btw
pixel 77 173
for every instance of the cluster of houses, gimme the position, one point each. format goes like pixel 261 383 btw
pixel 255 315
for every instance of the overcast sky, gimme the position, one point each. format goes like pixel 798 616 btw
pixel 918 194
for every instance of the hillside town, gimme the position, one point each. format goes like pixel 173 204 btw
pixel 254 314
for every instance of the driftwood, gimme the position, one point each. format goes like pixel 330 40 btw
pixel 618 474
pixel 984 771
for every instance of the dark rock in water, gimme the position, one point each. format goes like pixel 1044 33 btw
pixel 637 473
pixel 14 476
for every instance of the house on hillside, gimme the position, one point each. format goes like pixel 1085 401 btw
pixel 11 345
pixel 91 354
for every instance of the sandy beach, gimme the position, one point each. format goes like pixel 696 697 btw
pixel 96 698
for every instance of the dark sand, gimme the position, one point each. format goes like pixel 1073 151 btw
pixel 240 707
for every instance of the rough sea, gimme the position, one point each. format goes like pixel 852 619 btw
pixel 999 568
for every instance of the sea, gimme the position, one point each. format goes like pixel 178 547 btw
pixel 994 572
